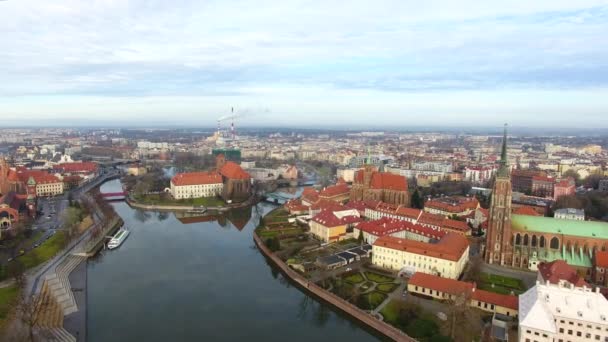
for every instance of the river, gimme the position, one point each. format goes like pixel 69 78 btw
pixel 186 280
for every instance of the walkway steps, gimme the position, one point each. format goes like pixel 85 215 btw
pixel 61 335
pixel 59 283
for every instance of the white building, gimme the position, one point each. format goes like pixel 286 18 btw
pixel 570 214
pixel 446 258
pixel 196 184
pixel 562 312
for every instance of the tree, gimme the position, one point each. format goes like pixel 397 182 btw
pixel 16 270
pixel 417 201
pixel 360 238
pixel 30 309
pixel 461 317
pixel 572 173
pixel 474 270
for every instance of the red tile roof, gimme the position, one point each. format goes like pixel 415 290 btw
pixel 196 178
pixel 408 212
pixel 328 219
pixel 456 287
pixel 325 204
pixel 388 181
pixel 335 190
pixel 460 226
pixel 295 205
pixel 526 210
pixel 451 247
pixel 88 167
pixel 445 285
pixel 232 170
pixel 431 219
pixel 601 259
pixel 454 204
pixel 40 177
pixel 560 270
pixel 362 205
pixel 310 195
pixel 506 301
pixel 386 226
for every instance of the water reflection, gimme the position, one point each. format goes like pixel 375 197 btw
pixel 185 277
pixel 238 217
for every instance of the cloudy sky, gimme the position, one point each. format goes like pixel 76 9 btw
pixel 314 63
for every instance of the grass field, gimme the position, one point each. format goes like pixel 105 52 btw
pixel 370 301
pixel 268 233
pixel 8 297
pixel 415 322
pixel 354 278
pixel 45 251
pixel 387 288
pixel 378 278
pixel 502 284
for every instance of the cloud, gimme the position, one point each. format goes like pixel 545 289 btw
pixel 229 50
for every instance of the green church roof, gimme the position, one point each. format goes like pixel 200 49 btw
pixel 539 224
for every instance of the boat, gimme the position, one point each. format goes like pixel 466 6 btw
pixel 118 238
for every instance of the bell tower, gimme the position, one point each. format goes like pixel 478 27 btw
pixel 499 244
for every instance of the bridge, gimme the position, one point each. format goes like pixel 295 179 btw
pixel 276 198
pixel 114 196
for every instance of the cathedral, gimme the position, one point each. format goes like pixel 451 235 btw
pixel 371 185
pixel 524 241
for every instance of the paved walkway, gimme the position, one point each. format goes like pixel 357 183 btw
pixel 76 322
pixel 397 294
pixel 528 277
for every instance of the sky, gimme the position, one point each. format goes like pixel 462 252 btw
pixel 304 63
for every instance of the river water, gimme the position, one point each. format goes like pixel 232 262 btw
pixel 188 280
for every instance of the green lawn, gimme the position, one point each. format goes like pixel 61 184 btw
pixel 30 242
pixel 44 252
pixel 8 297
pixel 355 278
pixel 370 301
pixel 411 319
pixel 267 233
pixel 378 278
pixel 503 285
pixel 390 312
pixel 387 288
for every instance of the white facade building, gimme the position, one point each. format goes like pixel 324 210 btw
pixel 562 313
pixel 570 214
pixel 196 185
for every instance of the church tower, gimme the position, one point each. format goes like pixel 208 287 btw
pixel 499 244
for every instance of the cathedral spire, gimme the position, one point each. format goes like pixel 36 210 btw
pixel 503 168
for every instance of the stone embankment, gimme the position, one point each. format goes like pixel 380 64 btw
pixel 361 316
pixel 163 207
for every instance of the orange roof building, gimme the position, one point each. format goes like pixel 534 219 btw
pixel 196 185
pixel 446 258
pixel 450 289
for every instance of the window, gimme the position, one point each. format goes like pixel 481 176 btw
pixel 579 334
pixel 569 332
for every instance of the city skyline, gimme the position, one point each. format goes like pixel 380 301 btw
pixel 305 64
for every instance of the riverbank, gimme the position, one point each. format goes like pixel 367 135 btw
pixel 354 312
pixel 165 207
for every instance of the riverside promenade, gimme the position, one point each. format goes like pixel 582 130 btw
pixel 363 317
pixel 54 283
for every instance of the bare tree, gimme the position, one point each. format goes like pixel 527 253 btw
pixel 462 317
pixel 30 310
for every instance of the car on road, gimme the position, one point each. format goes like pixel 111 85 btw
pixel 37 245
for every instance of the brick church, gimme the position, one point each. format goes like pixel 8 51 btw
pixel 524 241
pixel 371 185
